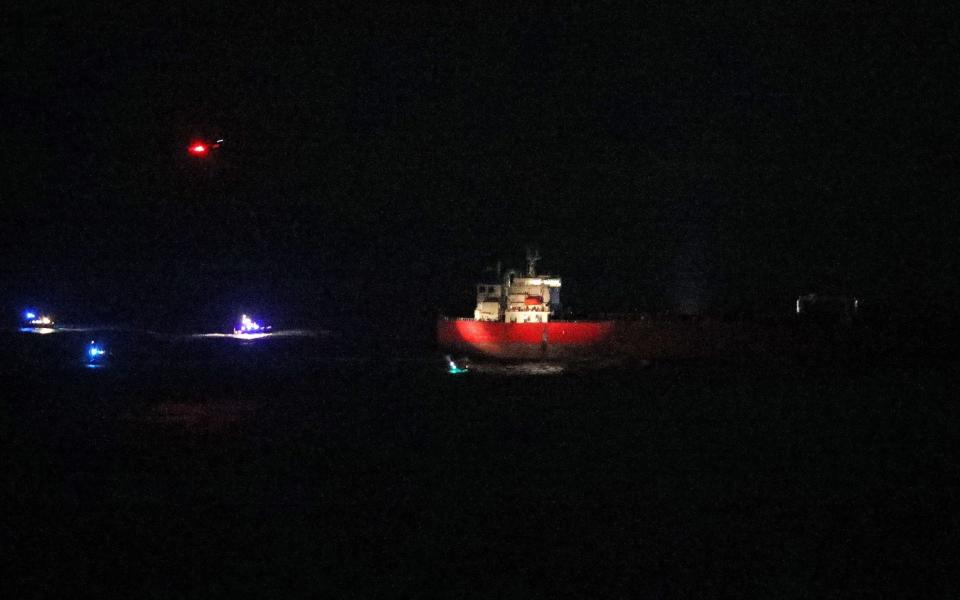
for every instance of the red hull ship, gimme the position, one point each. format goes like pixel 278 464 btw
pixel 513 321
pixel 647 339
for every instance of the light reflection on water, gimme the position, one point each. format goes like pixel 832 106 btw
pixel 546 368
pixel 236 336
pixel 531 368
pixel 59 329
pixel 37 330
pixel 257 336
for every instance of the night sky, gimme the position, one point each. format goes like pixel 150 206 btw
pixel 377 160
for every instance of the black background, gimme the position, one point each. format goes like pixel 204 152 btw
pixel 377 160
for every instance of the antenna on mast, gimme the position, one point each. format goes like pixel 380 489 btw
pixel 533 255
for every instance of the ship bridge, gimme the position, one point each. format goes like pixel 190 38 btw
pixel 519 299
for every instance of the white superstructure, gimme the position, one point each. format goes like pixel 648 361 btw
pixel 529 299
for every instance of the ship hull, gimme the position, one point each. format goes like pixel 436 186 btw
pixel 524 341
pixel 650 339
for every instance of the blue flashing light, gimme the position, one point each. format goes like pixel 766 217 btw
pixel 94 351
pixel 29 315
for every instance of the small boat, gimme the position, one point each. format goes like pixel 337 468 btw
pixel 248 326
pixel 95 352
pixel 454 368
pixel 36 320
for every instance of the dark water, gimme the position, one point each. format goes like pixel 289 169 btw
pixel 198 467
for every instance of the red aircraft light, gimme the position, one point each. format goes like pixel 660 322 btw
pixel 198 149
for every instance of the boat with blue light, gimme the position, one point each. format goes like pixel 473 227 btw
pixel 248 326
pixel 33 320
pixel 96 355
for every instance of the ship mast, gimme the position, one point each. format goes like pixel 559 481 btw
pixel 533 255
